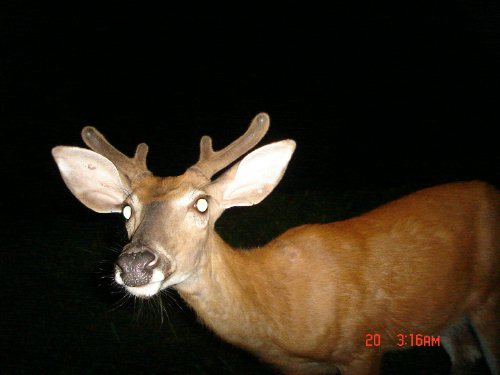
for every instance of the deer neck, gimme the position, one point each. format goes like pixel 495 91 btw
pixel 228 292
pixel 217 275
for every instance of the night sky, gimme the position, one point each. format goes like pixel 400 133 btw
pixel 379 95
pixel 372 94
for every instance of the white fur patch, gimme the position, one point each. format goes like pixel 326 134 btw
pixel 187 198
pixel 147 290
pixel 118 278
pixel 175 279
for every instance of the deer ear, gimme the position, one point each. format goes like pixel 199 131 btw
pixel 92 178
pixel 252 179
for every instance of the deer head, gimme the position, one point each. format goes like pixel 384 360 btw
pixel 170 220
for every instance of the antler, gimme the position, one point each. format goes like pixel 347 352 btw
pixel 130 168
pixel 210 161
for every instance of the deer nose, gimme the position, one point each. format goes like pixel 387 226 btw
pixel 136 268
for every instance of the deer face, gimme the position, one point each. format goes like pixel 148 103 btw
pixel 170 220
pixel 168 223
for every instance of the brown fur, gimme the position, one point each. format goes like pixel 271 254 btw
pixel 306 300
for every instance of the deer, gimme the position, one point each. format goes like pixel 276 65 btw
pixel 312 300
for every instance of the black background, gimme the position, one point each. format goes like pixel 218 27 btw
pixel 371 93
pixel 376 95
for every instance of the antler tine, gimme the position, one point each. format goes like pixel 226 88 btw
pixel 141 153
pixel 128 167
pixel 210 161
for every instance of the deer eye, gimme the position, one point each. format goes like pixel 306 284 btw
pixel 201 205
pixel 127 212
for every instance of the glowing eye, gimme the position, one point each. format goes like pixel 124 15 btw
pixel 201 205
pixel 127 212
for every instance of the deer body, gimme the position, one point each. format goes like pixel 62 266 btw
pixel 427 263
pixel 308 299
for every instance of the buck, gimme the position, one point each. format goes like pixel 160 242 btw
pixel 311 300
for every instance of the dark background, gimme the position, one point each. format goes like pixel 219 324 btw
pixel 386 96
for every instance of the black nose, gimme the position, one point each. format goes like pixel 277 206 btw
pixel 136 268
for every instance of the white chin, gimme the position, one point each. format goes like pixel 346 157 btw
pixel 144 291
pixel 147 290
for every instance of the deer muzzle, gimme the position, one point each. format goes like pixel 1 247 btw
pixel 136 267
pixel 141 270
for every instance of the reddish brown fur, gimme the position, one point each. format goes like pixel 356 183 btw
pixel 306 300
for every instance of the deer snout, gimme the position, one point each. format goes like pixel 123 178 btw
pixel 136 267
